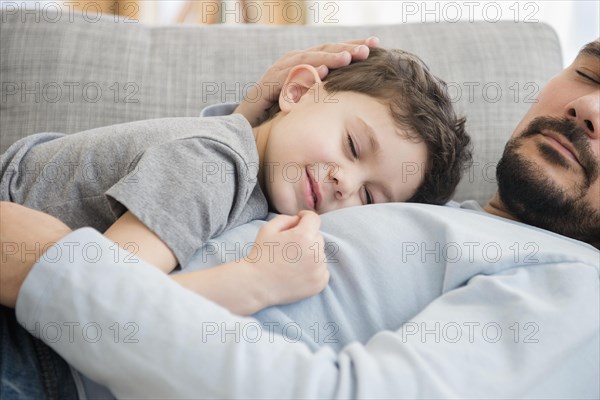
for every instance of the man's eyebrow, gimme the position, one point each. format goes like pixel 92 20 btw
pixel 373 142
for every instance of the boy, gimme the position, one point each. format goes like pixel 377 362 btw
pixel 379 130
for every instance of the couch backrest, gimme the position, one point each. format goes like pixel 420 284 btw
pixel 69 74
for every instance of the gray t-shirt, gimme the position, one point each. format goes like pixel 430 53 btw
pixel 187 179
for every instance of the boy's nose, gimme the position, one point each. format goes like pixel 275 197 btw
pixel 343 185
pixel 585 111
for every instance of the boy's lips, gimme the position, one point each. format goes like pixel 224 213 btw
pixel 312 192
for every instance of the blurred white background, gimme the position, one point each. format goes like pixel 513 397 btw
pixel 576 22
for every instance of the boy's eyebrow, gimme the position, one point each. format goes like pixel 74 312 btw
pixel 373 142
pixel 591 49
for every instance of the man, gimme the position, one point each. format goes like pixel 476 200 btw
pixel 548 177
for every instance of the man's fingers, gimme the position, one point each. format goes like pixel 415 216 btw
pixel 326 56
pixel 323 71
pixel 372 41
pixel 332 59
pixel 317 58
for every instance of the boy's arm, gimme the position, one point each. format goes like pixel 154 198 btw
pixel 134 236
pixel 265 278
pixel 231 285
pixel 248 285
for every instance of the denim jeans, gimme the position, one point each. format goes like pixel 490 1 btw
pixel 28 368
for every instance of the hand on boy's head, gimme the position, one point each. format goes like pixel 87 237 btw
pixel 329 55
pixel 323 57
pixel 336 55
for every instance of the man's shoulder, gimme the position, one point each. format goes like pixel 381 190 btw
pixel 470 220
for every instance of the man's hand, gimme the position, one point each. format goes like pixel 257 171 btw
pixel 25 234
pixel 288 259
pixel 260 97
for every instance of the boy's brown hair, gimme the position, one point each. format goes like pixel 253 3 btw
pixel 420 105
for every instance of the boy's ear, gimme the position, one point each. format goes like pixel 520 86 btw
pixel 300 79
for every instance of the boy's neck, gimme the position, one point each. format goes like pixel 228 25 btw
pixel 261 137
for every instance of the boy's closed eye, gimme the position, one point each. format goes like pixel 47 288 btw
pixel 367 198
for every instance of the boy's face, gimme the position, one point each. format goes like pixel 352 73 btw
pixel 326 151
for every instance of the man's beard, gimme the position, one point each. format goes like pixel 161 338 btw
pixel 535 199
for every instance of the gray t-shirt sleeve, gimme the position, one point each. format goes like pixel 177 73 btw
pixel 218 110
pixel 185 191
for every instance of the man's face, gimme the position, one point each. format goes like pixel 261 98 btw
pixel 549 173
pixel 330 151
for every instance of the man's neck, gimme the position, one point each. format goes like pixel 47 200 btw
pixel 496 207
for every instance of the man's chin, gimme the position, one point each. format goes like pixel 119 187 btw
pixel 535 199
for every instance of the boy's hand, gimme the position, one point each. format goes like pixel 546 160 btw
pixel 288 258
pixel 323 57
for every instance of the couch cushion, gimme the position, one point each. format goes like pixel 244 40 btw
pixel 67 76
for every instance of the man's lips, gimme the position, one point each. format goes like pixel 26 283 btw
pixel 313 193
pixel 562 145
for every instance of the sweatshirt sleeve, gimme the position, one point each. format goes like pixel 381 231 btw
pixel 130 327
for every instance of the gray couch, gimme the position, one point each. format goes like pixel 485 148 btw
pixel 68 76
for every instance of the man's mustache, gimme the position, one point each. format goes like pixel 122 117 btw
pixel 571 132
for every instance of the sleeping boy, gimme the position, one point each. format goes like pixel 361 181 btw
pixel 379 130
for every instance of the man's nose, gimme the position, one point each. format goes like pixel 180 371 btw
pixel 585 111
